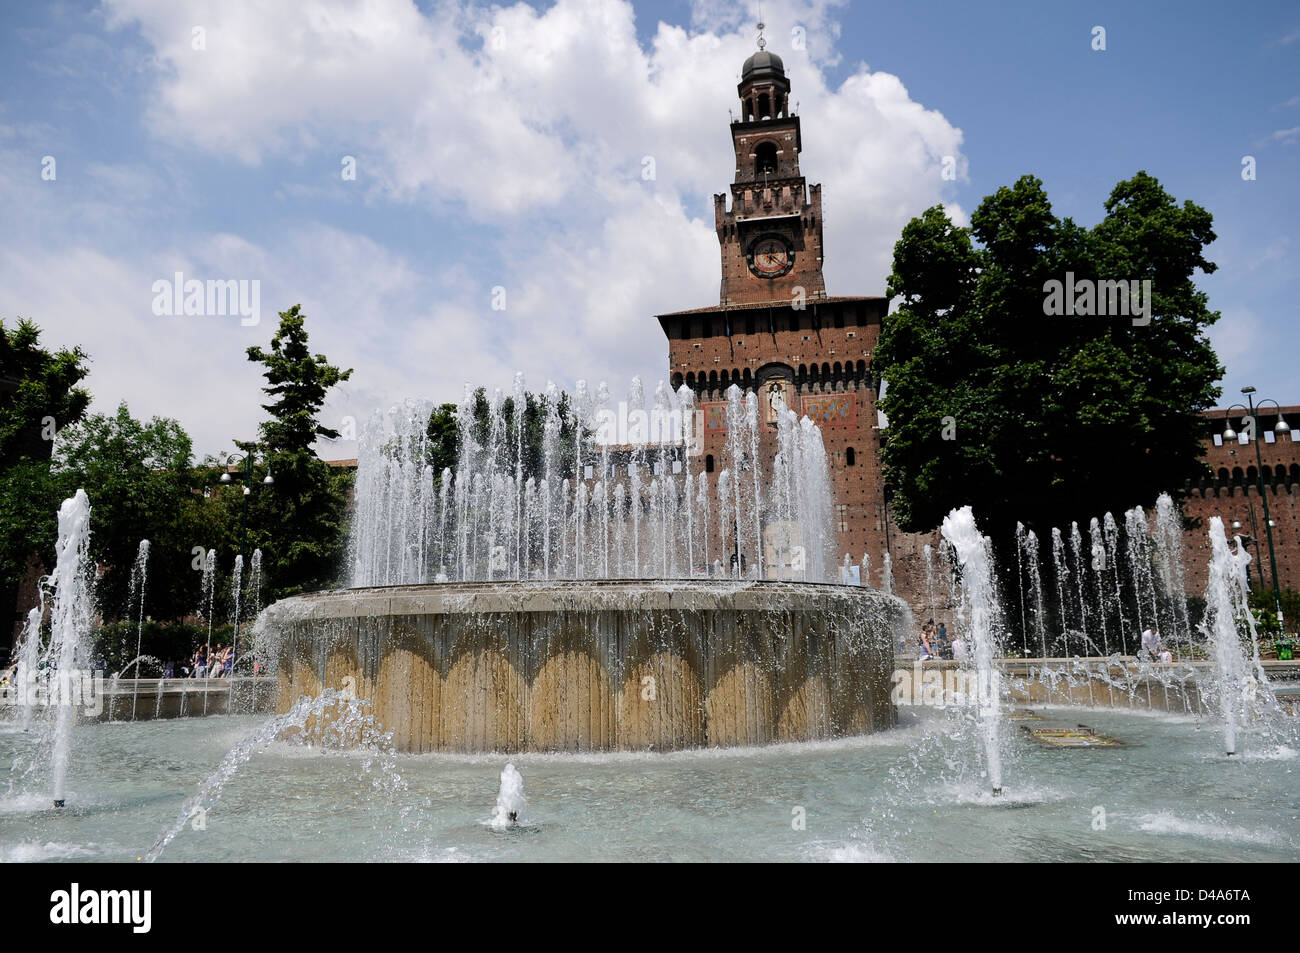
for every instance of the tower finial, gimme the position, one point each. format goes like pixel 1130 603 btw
pixel 762 43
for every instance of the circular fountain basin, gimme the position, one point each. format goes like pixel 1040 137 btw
pixel 595 665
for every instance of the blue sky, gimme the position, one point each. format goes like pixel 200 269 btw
pixel 502 147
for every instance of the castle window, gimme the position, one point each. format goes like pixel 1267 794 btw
pixel 842 517
pixel 764 106
pixel 708 464
pixel 765 160
pixel 850 458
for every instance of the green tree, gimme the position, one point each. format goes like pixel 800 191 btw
pixel 444 439
pixel 444 432
pixel 1028 416
pixel 297 522
pixel 141 485
pixel 39 393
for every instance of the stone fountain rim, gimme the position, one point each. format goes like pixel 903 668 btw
pixel 613 595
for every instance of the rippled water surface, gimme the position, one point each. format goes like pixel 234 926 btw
pixel 913 794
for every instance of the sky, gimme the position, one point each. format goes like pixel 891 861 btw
pixel 455 192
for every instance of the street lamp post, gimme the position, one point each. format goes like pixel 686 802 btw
pixel 229 477
pixel 1280 428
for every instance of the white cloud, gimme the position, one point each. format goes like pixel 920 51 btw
pixel 527 127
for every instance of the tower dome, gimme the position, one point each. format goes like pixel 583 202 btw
pixel 762 65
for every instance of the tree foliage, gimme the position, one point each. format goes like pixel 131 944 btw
pixel 1039 418
pixel 298 522
pixel 445 434
pixel 141 484
pixel 40 392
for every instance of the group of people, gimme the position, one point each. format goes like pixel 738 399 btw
pixel 935 645
pixel 211 663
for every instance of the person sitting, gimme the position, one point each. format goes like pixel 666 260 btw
pixel 1151 644
pixel 927 650
pixel 941 644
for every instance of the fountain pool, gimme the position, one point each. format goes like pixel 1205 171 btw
pixel 910 794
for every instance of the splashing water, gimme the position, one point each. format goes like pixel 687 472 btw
pixel 613 494
pixel 139 581
pixel 70 624
pixel 208 590
pixel 28 651
pixel 348 725
pixel 974 556
pixel 1227 612
pixel 510 799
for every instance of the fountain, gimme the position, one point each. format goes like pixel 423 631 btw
pixel 543 635
pixel 28 650
pixel 610 662
pixel 70 626
pixel 1238 686
pixel 975 559
pixel 139 582
pixel 510 799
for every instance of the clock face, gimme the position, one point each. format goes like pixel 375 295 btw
pixel 770 257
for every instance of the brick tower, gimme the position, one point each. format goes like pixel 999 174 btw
pixel 771 237
pixel 774 330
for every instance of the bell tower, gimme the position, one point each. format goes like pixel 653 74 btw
pixel 771 236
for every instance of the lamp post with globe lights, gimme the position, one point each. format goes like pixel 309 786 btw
pixel 1249 431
